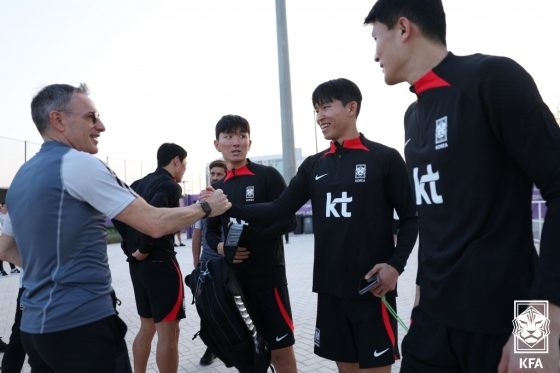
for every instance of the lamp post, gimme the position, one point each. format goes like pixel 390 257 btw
pixel 288 146
pixel 315 129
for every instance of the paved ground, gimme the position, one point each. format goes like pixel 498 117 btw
pixel 299 262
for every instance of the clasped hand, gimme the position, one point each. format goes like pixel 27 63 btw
pixel 240 255
pixel 216 199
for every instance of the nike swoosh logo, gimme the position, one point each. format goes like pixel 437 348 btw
pixel 318 177
pixel 376 354
pixel 284 336
pixel 406 142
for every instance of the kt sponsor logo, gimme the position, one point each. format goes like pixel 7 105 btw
pixel 331 206
pixel 420 183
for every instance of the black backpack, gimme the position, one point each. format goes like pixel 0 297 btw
pixel 226 327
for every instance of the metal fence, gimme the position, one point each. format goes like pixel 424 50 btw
pixel 14 153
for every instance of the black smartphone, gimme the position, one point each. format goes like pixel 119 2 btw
pixel 365 285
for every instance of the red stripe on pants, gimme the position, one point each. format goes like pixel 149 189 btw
pixel 283 310
pixel 173 314
pixel 388 327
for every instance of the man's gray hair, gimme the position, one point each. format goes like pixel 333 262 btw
pixel 52 97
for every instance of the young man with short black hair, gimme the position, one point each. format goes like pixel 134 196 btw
pixel 259 263
pixel 154 270
pixel 354 187
pixel 476 139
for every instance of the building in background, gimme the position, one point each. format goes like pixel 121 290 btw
pixel 276 161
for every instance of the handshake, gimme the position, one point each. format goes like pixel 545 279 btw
pixel 169 220
pixel 216 199
pixel 206 195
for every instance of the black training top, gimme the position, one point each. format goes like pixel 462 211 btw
pixel 353 188
pixel 159 189
pixel 254 183
pixel 476 139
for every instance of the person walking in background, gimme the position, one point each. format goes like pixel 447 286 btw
pixel 178 234
pixel 13 269
pixel 14 353
pixel 217 170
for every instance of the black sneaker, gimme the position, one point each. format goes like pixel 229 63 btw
pixel 15 270
pixel 175 245
pixel 207 358
pixel 181 244
pixel 3 346
pixel 3 274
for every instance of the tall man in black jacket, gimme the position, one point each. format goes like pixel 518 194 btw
pixel 354 187
pixel 260 266
pixel 476 138
pixel 154 270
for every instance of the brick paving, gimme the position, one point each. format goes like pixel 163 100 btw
pixel 299 263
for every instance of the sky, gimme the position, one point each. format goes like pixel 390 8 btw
pixel 167 71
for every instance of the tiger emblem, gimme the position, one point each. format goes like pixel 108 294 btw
pixel 531 326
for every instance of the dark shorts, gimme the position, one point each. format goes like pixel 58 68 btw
pixel 271 312
pixel 433 348
pixel 88 348
pixel 356 331
pixel 158 289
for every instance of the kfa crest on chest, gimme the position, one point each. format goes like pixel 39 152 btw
pixel 250 194
pixel 359 170
pixel 360 173
pixel 441 133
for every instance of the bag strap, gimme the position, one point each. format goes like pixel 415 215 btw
pixel 392 311
pixel 232 241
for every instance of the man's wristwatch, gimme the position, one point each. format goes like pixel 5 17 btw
pixel 206 208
